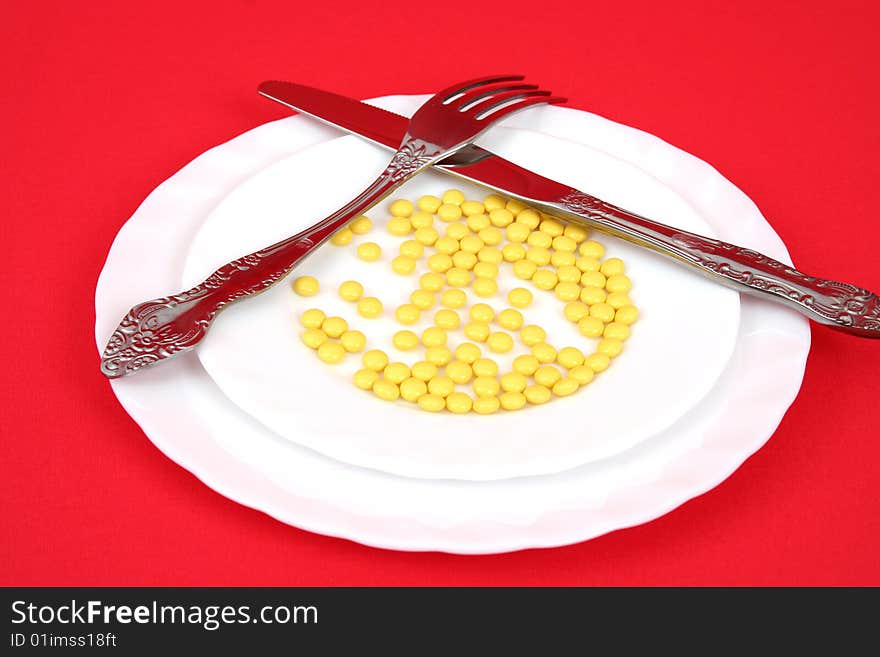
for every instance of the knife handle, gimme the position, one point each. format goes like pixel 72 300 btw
pixel 839 305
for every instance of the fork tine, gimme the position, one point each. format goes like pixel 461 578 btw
pixel 446 94
pixel 504 106
pixel 478 94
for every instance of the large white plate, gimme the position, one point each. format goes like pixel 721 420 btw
pixel 184 413
pixel 679 347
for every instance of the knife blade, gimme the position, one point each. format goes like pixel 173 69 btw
pixel 842 306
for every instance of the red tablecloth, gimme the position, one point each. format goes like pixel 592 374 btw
pixel 103 101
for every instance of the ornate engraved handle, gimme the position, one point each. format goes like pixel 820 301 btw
pixel 155 330
pixel 839 305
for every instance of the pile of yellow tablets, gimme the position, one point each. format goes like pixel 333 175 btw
pixel 464 253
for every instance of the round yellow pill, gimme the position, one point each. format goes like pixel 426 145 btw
pixel 314 337
pixel 563 243
pixel 565 387
pixel 396 372
pixel 434 337
pixel 459 403
pixel 477 331
pixel 485 287
pixel 552 227
pixel 593 279
pixel 458 277
pixel 486 405
pixel 591 327
pixel 616 330
pixel 438 356
pixel 485 270
pixel 342 237
pixel 439 262
pixel 407 313
pixel 364 379
pixel 447 319
pixel 386 390
pixel 353 341
pixel 427 236
pixel 545 279
pixel 586 264
pixel 524 269
pixel 401 208
pixel 525 364
pixel 566 291
pixel 575 232
pixel 467 352
pixel 464 260
pixel 510 319
pixel 563 259
pixel 516 206
pixel 412 388
pixel 529 218
pixel 592 295
pixel 500 217
pixel 626 314
pixel 519 297
pixel 405 340
pixel 421 219
pixel 517 232
pixel 403 265
pixel 441 386
pixel 422 299
pixel 429 204
pixel 591 249
pixel 544 352
pixel 423 370
pixel 547 375
pixel 513 252
pixel 478 222
pixel 602 311
pixel 453 298
pixel 432 403
pixel 449 212
pixel 412 249
pixel 575 311
pixel 334 326
pixel 459 371
pixel 512 401
pixel 597 362
pixel 351 290
pixel 331 352
pixel 457 231
pixel 612 267
pixel 432 282
pixel 399 226
pixel 532 335
pixel 570 357
pixel 537 394
pixel 568 274
pixel 539 239
pixel 471 244
pixel 369 251
pixel 446 245
pixel 453 196
pixel 481 312
pixel 361 225
pixel 491 236
pixel 486 386
pixel 485 367
pixel 608 346
pixel 306 286
pixel 618 300
pixel 470 208
pixel 493 202
pixel 369 307
pixel 490 254
pixel 583 374
pixel 539 255
pixel 618 282
pixel 375 359
pixel 513 382
pixel 499 342
pixel 312 318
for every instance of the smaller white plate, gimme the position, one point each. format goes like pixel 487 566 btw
pixel 679 347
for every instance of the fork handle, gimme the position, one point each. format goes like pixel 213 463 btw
pixel 159 329
pixel 839 305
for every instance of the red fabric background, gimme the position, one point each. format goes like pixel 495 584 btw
pixel 104 100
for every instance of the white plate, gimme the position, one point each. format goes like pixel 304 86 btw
pixel 187 417
pixel 681 344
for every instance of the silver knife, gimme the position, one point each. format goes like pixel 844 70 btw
pixel 839 305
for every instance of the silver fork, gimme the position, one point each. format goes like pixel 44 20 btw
pixel 154 331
